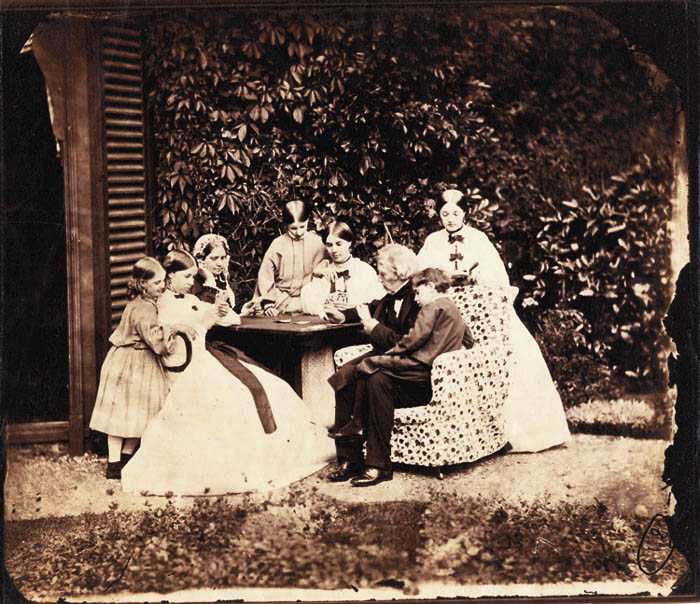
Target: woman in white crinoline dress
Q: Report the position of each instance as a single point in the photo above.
(209, 438)
(534, 414)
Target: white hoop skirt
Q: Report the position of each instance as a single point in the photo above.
(208, 438)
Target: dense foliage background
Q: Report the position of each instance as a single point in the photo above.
(545, 116)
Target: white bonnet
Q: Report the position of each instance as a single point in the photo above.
(206, 243)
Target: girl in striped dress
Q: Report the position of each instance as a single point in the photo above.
(133, 382)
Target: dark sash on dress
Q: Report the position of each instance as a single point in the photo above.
(231, 358)
(188, 355)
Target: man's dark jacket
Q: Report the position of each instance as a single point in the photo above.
(385, 334)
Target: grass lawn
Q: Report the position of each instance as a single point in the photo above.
(308, 539)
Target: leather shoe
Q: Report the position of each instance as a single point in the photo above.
(114, 470)
(371, 476)
(349, 431)
(346, 470)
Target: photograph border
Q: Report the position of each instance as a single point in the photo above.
(687, 406)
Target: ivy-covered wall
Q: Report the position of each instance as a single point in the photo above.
(545, 116)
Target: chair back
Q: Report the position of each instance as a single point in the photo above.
(485, 310)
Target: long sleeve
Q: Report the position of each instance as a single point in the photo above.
(364, 285)
(156, 336)
(313, 295)
(432, 254)
(490, 269)
(351, 315)
(419, 334)
(231, 317)
(286, 267)
(231, 296)
(268, 274)
(468, 338)
(383, 337)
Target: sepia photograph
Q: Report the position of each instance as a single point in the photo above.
(349, 301)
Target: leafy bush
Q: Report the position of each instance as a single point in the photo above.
(579, 372)
(544, 115)
(320, 542)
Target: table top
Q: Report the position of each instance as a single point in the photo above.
(291, 325)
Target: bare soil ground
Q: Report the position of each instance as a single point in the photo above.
(623, 473)
(574, 513)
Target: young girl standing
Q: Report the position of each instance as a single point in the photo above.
(226, 426)
(133, 383)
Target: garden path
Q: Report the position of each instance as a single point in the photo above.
(622, 473)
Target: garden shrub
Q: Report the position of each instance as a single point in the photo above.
(544, 116)
(332, 545)
(624, 417)
(576, 368)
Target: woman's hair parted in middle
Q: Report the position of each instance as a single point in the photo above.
(436, 277)
(402, 260)
(208, 243)
(341, 230)
(454, 196)
(178, 260)
(295, 211)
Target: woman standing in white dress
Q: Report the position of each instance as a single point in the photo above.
(209, 436)
(534, 413)
(342, 281)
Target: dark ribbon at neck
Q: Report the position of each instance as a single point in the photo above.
(344, 274)
(220, 281)
(453, 238)
(179, 296)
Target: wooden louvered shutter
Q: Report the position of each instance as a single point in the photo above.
(128, 230)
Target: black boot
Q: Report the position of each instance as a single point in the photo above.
(114, 470)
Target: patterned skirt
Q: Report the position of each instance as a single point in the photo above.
(133, 387)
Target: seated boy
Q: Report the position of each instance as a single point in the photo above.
(439, 328)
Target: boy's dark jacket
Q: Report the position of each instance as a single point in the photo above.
(439, 328)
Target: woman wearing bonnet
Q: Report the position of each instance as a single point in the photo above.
(227, 425)
(212, 254)
(535, 418)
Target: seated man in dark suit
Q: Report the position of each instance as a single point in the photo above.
(385, 321)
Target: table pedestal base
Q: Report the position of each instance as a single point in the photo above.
(316, 367)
